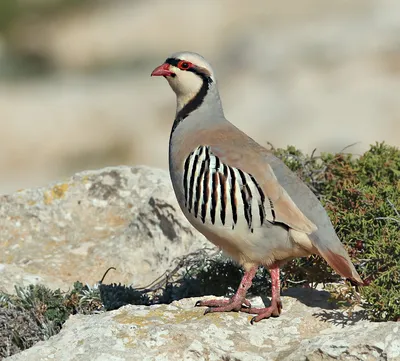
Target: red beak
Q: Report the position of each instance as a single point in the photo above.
(162, 70)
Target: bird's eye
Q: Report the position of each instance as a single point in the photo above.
(183, 65)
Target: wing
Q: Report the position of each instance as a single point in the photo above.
(253, 162)
(218, 190)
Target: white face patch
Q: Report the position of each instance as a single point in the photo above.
(185, 85)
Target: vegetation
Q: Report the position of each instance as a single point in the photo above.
(361, 196)
(35, 313)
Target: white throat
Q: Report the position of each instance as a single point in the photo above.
(183, 99)
(186, 86)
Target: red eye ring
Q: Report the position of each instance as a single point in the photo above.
(184, 65)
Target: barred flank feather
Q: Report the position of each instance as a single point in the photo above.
(220, 194)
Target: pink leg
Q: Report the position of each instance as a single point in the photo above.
(237, 301)
(276, 304)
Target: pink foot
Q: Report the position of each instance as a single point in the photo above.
(237, 303)
(276, 304)
(262, 313)
(224, 305)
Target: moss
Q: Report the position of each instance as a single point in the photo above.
(57, 192)
(160, 313)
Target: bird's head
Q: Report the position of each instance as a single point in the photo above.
(186, 73)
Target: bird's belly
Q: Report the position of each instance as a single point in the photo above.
(265, 245)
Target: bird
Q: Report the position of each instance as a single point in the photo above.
(237, 193)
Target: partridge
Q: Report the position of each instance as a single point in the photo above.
(237, 193)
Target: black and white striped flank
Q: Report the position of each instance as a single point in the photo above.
(224, 195)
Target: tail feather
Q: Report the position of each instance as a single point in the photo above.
(342, 266)
(337, 257)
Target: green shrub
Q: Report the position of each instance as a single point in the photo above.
(35, 313)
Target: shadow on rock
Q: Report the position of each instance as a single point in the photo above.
(340, 318)
(114, 296)
(312, 297)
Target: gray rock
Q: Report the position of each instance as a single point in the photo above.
(180, 332)
(74, 230)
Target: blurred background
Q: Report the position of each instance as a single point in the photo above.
(76, 92)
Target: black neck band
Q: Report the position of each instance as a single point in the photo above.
(197, 100)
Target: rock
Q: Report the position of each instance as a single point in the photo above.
(120, 217)
(180, 332)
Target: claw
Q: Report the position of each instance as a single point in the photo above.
(262, 313)
(247, 303)
(208, 310)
